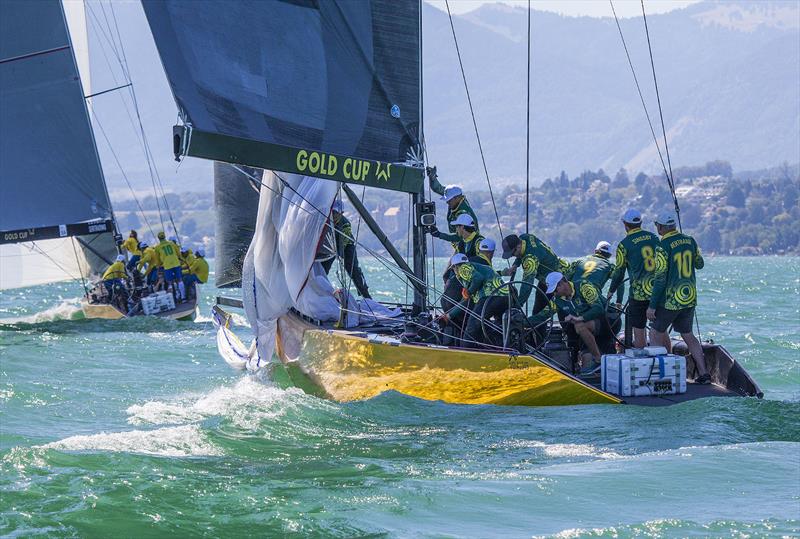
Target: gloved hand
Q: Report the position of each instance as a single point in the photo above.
(464, 293)
(434, 231)
(443, 319)
(431, 172)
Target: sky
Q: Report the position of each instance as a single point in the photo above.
(591, 8)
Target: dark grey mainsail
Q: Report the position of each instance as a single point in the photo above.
(235, 207)
(50, 173)
(326, 89)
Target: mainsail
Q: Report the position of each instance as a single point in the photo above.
(307, 90)
(53, 185)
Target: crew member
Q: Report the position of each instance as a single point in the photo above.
(346, 250)
(482, 286)
(168, 252)
(537, 260)
(186, 257)
(115, 274)
(485, 252)
(468, 238)
(151, 260)
(457, 205)
(675, 290)
(636, 254)
(198, 273)
(131, 244)
(580, 304)
(595, 268)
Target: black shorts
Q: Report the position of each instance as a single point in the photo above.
(680, 320)
(637, 313)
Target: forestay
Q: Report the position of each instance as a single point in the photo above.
(325, 89)
(50, 174)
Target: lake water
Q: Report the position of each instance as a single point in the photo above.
(137, 428)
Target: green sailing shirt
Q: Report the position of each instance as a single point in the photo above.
(344, 234)
(636, 254)
(537, 260)
(594, 269)
(480, 281)
(463, 207)
(586, 301)
(675, 281)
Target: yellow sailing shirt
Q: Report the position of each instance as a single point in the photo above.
(199, 267)
(115, 271)
(149, 257)
(132, 246)
(168, 254)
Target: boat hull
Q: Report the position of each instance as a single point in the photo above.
(347, 366)
(183, 311)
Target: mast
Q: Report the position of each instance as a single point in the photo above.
(418, 241)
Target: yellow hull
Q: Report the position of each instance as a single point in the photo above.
(348, 366)
(186, 311)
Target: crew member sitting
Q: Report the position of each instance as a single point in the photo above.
(346, 250)
(168, 250)
(115, 274)
(149, 259)
(675, 290)
(131, 244)
(580, 305)
(537, 260)
(457, 204)
(198, 273)
(482, 286)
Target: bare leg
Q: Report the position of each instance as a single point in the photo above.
(639, 338)
(696, 349)
(584, 330)
(660, 338)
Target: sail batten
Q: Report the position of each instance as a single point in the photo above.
(323, 89)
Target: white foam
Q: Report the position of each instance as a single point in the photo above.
(69, 309)
(246, 404)
(183, 441)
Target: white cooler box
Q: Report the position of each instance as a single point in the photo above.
(158, 303)
(625, 376)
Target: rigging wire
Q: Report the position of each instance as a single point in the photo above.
(639, 90)
(528, 133)
(670, 177)
(474, 122)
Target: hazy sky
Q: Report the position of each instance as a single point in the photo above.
(592, 8)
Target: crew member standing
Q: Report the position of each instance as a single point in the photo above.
(151, 260)
(457, 204)
(131, 244)
(346, 249)
(115, 274)
(636, 254)
(675, 290)
(168, 252)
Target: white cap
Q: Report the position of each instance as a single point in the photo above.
(552, 280)
(666, 218)
(337, 206)
(603, 247)
(143, 244)
(200, 252)
(450, 192)
(632, 216)
(487, 245)
(463, 219)
(459, 258)
(120, 258)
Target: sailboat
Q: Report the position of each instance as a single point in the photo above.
(324, 96)
(56, 217)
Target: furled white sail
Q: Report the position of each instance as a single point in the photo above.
(276, 271)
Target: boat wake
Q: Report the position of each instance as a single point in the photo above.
(68, 309)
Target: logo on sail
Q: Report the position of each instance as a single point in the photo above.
(395, 111)
(383, 173)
